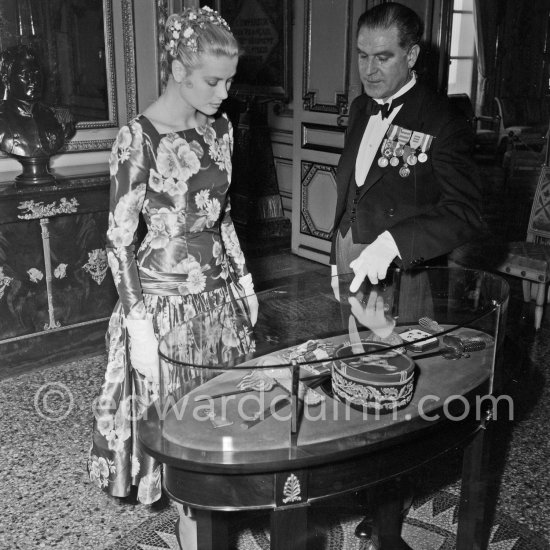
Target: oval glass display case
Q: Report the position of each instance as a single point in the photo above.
(324, 384)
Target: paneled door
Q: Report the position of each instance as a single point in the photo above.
(325, 83)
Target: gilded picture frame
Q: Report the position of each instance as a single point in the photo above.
(264, 31)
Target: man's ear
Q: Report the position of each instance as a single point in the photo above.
(412, 56)
(178, 70)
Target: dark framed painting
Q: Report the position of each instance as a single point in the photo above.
(264, 31)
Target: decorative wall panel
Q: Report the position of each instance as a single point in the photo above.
(326, 90)
(318, 200)
(323, 137)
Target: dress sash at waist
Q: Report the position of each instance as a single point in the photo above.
(179, 284)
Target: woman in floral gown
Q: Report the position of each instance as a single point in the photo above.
(172, 165)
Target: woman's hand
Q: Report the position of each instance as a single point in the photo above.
(253, 307)
(143, 346)
(248, 287)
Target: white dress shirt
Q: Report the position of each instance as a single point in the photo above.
(372, 138)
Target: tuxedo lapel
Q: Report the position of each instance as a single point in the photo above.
(374, 174)
(409, 115)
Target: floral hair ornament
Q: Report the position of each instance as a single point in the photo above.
(184, 27)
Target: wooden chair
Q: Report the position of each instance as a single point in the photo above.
(528, 259)
(522, 158)
(523, 120)
(486, 127)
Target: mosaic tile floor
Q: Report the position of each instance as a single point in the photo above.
(431, 524)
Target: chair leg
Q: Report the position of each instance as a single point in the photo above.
(526, 290)
(539, 304)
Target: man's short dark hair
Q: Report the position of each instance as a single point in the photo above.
(391, 14)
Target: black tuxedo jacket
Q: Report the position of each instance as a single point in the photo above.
(434, 209)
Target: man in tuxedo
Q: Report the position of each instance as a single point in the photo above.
(407, 187)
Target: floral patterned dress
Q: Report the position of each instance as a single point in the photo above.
(189, 262)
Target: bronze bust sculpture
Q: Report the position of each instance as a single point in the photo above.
(29, 129)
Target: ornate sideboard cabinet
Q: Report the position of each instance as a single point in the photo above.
(56, 291)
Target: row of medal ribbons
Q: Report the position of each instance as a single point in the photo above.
(405, 144)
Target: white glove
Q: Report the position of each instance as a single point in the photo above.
(144, 348)
(374, 261)
(248, 286)
(334, 282)
(373, 315)
(253, 306)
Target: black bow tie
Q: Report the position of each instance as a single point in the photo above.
(373, 108)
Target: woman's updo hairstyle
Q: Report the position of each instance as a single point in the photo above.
(193, 32)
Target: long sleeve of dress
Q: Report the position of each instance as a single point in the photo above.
(228, 233)
(129, 170)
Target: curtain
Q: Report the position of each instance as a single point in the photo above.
(485, 21)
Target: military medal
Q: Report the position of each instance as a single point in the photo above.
(408, 153)
(387, 150)
(403, 138)
(391, 141)
(425, 145)
(416, 140)
(404, 171)
(403, 143)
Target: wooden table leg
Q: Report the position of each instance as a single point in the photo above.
(388, 516)
(212, 530)
(289, 528)
(472, 529)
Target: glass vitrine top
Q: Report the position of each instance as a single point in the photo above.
(324, 370)
(306, 321)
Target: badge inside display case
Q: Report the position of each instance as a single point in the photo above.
(242, 403)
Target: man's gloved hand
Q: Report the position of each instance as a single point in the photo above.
(334, 282)
(374, 261)
(248, 286)
(143, 348)
(373, 314)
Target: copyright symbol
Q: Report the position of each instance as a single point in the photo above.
(53, 401)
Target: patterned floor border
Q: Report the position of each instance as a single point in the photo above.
(431, 524)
